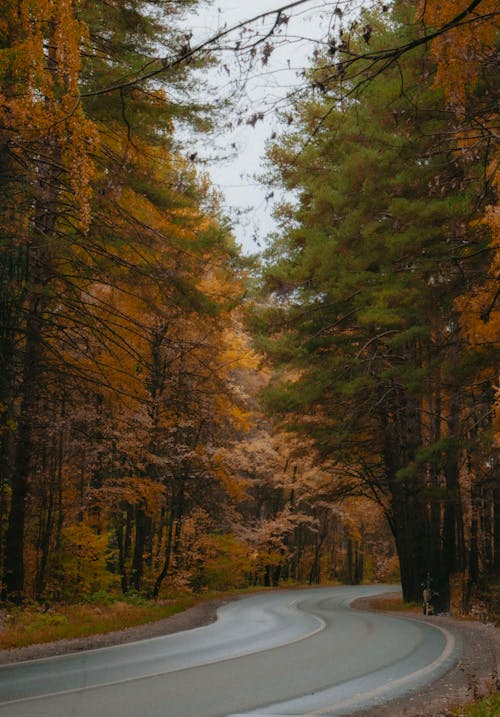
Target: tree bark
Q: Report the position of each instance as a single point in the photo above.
(402, 437)
(139, 545)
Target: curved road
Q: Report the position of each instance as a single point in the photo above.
(300, 652)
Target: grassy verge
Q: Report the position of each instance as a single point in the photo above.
(394, 604)
(34, 625)
(487, 707)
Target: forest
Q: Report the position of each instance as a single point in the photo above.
(175, 415)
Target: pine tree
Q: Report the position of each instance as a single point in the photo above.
(363, 282)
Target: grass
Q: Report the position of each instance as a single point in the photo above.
(34, 625)
(487, 707)
(392, 603)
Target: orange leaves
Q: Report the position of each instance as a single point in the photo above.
(82, 140)
(39, 96)
(461, 50)
(132, 350)
(465, 59)
(84, 555)
(234, 486)
(135, 490)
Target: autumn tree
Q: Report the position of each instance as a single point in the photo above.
(465, 58)
(102, 219)
(47, 170)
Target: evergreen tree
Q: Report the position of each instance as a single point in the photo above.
(363, 282)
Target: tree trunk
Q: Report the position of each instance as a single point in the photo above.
(496, 530)
(315, 571)
(13, 582)
(168, 554)
(120, 530)
(453, 547)
(139, 545)
(409, 519)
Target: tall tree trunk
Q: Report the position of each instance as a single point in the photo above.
(402, 437)
(139, 545)
(13, 276)
(315, 571)
(48, 517)
(13, 582)
(120, 528)
(496, 530)
(40, 275)
(453, 548)
(168, 552)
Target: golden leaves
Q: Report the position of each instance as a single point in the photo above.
(40, 108)
(462, 54)
(460, 50)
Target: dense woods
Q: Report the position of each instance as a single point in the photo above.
(176, 416)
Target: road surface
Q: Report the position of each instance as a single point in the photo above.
(299, 652)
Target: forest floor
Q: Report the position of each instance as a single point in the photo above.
(475, 675)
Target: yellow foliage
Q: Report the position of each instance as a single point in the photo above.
(40, 101)
(227, 562)
(238, 352)
(84, 556)
(135, 490)
(460, 50)
(235, 487)
(461, 54)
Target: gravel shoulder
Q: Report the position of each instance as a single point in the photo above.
(475, 675)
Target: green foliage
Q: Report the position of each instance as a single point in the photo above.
(367, 265)
(134, 597)
(227, 562)
(84, 559)
(437, 451)
(487, 707)
(100, 597)
(366, 275)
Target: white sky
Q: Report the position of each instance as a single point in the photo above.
(235, 177)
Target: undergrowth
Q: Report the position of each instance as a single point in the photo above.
(395, 604)
(487, 707)
(35, 624)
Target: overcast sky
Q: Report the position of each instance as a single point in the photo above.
(235, 177)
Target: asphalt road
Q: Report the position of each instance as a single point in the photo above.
(301, 652)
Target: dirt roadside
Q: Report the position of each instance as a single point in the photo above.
(476, 674)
